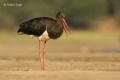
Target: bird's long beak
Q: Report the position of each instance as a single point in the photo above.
(65, 26)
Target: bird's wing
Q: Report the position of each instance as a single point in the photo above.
(32, 27)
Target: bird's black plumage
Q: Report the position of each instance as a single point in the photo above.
(44, 28)
(37, 26)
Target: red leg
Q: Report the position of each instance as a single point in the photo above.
(42, 55)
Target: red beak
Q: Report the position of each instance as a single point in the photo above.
(65, 26)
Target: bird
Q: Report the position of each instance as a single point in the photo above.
(44, 29)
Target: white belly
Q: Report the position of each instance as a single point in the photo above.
(44, 36)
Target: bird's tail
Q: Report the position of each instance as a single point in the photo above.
(19, 32)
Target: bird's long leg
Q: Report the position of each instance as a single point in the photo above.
(44, 43)
(42, 54)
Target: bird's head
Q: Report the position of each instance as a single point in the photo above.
(61, 21)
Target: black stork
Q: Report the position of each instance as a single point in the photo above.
(44, 28)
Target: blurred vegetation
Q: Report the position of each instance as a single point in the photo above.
(78, 12)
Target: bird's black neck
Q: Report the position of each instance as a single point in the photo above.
(59, 22)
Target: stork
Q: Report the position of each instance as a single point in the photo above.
(44, 28)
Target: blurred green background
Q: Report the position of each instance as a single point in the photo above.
(79, 13)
